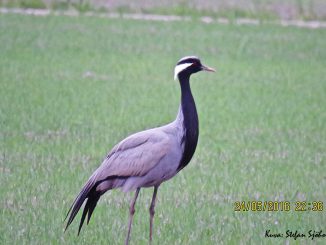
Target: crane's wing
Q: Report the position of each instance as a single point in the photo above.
(135, 155)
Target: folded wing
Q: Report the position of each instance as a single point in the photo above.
(134, 156)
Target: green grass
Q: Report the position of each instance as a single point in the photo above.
(71, 88)
(257, 9)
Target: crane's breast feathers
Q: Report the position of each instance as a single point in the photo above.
(135, 155)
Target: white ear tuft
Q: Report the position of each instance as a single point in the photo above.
(180, 68)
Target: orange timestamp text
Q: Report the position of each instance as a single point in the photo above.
(276, 206)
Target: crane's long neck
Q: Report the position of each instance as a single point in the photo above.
(188, 117)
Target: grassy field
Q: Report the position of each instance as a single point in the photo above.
(258, 9)
(71, 88)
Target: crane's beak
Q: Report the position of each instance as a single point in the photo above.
(206, 68)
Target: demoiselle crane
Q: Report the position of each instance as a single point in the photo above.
(147, 158)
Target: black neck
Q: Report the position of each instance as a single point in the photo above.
(190, 121)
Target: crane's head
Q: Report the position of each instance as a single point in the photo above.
(189, 65)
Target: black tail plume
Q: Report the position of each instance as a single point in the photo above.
(89, 208)
(82, 196)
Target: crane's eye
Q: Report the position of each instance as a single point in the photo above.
(195, 63)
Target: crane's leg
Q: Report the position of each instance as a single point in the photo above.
(152, 212)
(131, 214)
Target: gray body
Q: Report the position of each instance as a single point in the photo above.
(146, 158)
